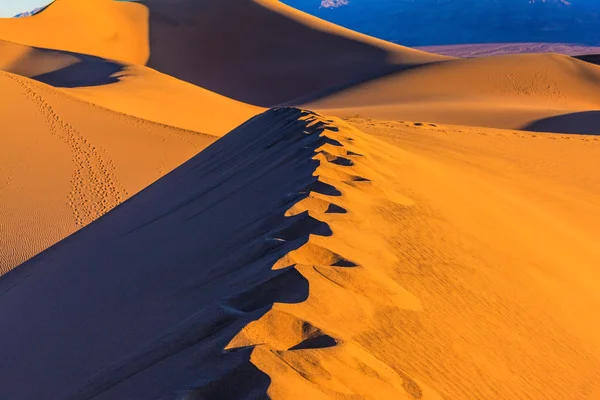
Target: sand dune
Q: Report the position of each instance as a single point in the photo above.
(269, 54)
(303, 258)
(511, 91)
(66, 162)
(266, 52)
(298, 256)
(103, 28)
(248, 62)
(127, 88)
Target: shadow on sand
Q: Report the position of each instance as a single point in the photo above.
(86, 71)
(582, 123)
(142, 303)
(590, 58)
(241, 58)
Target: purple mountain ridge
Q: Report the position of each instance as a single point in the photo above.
(445, 22)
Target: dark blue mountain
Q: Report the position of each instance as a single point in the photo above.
(436, 22)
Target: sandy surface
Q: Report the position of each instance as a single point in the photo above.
(66, 162)
(104, 28)
(428, 254)
(508, 91)
(127, 88)
(399, 261)
(247, 62)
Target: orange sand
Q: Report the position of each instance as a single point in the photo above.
(298, 256)
(66, 162)
(509, 91)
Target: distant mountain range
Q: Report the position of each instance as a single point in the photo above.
(438, 22)
(30, 13)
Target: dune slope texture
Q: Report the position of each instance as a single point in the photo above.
(66, 162)
(302, 258)
(243, 49)
(127, 88)
(163, 284)
(508, 91)
(104, 28)
(239, 55)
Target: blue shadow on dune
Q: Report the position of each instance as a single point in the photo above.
(87, 71)
(581, 123)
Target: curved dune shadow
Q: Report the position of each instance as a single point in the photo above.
(581, 123)
(590, 58)
(87, 71)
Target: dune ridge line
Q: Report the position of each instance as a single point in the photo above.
(287, 337)
(276, 332)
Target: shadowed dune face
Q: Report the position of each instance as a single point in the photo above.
(88, 71)
(584, 123)
(263, 52)
(66, 162)
(58, 68)
(298, 257)
(130, 89)
(306, 61)
(228, 47)
(248, 229)
(591, 58)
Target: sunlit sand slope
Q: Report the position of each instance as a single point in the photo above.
(105, 28)
(512, 91)
(266, 225)
(127, 88)
(64, 163)
(299, 257)
(243, 49)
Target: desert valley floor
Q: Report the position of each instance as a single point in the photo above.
(235, 200)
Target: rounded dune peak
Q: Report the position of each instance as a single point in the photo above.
(103, 28)
(248, 50)
(243, 49)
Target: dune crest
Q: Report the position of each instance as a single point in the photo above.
(312, 240)
(305, 342)
(297, 256)
(508, 91)
(114, 30)
(301, 257)
(130, 89)
(317, 54)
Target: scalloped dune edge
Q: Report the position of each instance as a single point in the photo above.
(327, 239)
(309, 341)
(256, 278)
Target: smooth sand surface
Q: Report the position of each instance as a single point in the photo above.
(127, 88)
(66, 162)
(301, 257)
(269, 54)
(104, 28)
(298, 256)
(508, 91)
(243, 49)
